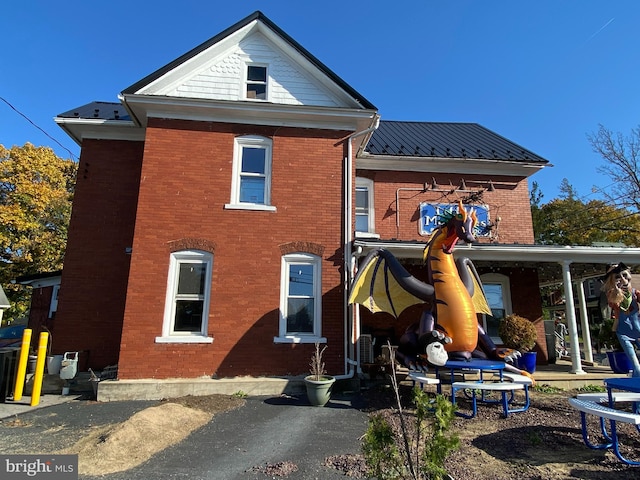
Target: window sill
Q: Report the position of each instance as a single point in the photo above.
(292, 339)
(367, 235)
(249, 206)
(184, 339)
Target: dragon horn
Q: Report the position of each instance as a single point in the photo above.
(461, 210)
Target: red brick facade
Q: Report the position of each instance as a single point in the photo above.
(509, 202)
(185, 178)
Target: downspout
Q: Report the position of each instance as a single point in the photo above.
(350, 362)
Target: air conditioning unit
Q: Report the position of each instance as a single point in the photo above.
(366, 349)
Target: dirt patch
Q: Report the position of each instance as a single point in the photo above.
(116, 448)
(544, 442)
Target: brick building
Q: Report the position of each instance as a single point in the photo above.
(221, 205)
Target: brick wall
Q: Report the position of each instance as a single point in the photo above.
(94, 281)
(186, 181)
(509, 202)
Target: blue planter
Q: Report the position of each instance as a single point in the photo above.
(619, 362)
(527, 362)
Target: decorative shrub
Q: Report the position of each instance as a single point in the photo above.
(518, 333)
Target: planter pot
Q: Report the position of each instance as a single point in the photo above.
(619, 362)
(31, 364)
(53, 364)
(527, 362)
(319, 391)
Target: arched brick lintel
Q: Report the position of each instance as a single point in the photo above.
(307, 247)
(192, 244)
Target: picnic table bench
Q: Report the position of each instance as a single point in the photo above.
(506, 389)
(604, 412)
(423, 379)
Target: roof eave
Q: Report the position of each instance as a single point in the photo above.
(80, 129)
(515, 253)
(466, 165)
(143, 107)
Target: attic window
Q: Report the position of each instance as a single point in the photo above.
(256, 82)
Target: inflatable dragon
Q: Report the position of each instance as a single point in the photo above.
(453, 296)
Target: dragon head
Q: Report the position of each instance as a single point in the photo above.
(459, 225)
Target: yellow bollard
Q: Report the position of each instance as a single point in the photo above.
(37, 378)
(22, 365)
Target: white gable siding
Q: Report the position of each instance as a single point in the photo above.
(223, 77)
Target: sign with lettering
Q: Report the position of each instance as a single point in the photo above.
(45, 466)
(430, 217)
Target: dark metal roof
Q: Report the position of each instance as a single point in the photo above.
(38, 276)
(99, 111)
(242, 23)
(446, 140)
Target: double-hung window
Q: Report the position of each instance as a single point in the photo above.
(187, 302)
(251, 186)
(498, 292)
(300, 299)
(256, 82)
(365, 221)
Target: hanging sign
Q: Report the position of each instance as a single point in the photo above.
(430, 217)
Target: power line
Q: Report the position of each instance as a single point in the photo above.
(32, 123)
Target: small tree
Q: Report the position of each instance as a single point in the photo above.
(418, 450)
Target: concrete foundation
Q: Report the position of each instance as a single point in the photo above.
(556, 375)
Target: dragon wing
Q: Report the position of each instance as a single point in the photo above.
(384, 285)
(469, 276)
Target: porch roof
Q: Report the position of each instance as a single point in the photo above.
(584, 262)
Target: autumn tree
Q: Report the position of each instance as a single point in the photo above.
(570, 221)
(36, 191)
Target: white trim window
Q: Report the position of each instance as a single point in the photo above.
(251, 183)
(186, 310)
(256, 86)
(365, 219)
(498, 292)
(300, 299)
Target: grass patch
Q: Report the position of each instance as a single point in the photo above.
(591, 389)
(545, 388)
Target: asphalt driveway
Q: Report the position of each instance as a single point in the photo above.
(266, 430)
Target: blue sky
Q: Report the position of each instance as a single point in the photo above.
(541, 73)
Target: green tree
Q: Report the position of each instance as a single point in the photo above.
(570, 221)
(36, 191)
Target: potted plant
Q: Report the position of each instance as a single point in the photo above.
(520, 334)
(618, 360)
(318, 384)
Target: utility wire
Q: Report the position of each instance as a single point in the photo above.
(32, 123)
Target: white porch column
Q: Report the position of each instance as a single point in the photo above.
(584, 321)
(570, 313)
